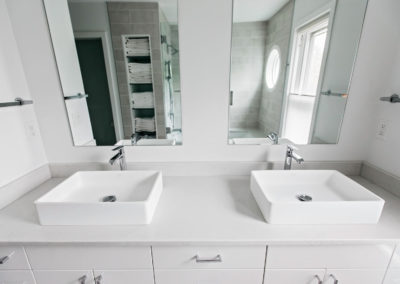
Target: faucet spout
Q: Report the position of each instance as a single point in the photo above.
(291, 155)
(120, 157)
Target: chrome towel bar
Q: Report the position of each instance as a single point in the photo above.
(17, 102)
(392, 99)
(78, 96)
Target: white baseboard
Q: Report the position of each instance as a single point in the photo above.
(17, 188)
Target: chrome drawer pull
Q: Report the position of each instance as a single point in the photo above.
(335, 281)
(4, 259)
(218, 258)
(82, 280)
(318, 278)
(97, 279)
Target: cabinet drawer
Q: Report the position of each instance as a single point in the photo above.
(347, 257)
(201, 257)
(212, 276)
(125, 277)
(87, 257)
(63, 277)
(16, 277)
(13, 257)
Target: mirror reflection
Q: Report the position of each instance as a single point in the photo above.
(119, 70)
(291, 65)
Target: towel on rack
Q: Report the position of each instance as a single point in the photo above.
(137, 47)
(145, 124)
(140, 73)
(143, 100)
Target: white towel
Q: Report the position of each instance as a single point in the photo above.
(140, 73)
(145, 124)
(137, 47)
(143, 100)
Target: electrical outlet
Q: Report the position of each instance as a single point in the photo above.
(30, 128)
(382, 129)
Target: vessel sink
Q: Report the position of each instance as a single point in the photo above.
(314, 197)
(102, 198)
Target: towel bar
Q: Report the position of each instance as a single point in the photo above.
(17, 102)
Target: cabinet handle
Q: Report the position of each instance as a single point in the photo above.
(318, 278)
(98, 279)
(335, 280)
(83, 279)
(218, 258)
(4, 259)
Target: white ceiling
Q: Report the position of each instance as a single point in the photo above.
(169, 7)
(256, 10)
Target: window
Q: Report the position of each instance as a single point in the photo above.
(273, 68)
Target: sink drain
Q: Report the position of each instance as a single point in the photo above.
(109, 198)
(304, 197)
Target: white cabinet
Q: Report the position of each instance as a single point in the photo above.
(13, 257)
(351, 276)
(63, 276)
(210, 276)
(16, 277)
(124, 277)
(209, 264)
(364, 264)
(291, 276)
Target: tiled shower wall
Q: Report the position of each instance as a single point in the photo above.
(247, 70)
(137, 18)
(278, 34)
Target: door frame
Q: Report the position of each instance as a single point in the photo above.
(112, 81)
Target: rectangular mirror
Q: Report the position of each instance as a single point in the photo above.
(291, 66)
(118, 64)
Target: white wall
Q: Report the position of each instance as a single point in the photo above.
(21, 148)
(385, 153)
(205, 64)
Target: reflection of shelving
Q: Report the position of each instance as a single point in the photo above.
(138, 63)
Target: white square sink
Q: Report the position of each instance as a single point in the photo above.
(314, 197)
(102, 198)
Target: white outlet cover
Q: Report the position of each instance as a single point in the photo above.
(382, 130)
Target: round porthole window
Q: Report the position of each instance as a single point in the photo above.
(273, 67)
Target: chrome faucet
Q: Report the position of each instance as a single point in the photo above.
(135, 138)
(120, 157)
(290, 155)
(273, 137)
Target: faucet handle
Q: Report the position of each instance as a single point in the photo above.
(292, 147)
(121, 147)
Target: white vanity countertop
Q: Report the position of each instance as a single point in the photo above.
(198, 210)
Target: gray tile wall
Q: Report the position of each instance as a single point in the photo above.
(248, 56)
(127, 18)
(278, 34)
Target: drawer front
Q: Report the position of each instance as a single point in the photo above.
(212, 276)
(64, 277)
(201, 257)
(291, 276)
(87, 257)
(125, 277)
(16, 277)
(346, 257)
(13, 257)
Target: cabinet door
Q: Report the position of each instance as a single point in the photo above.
(124, 277)
(291, 276)
(16, 277)
(351, 276)
(216, 276)
(64, 276)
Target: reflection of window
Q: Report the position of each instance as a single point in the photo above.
(273, 67)
(308, 55)
(310, 45)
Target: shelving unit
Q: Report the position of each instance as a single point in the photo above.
(138, 63)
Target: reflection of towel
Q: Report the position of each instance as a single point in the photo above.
(143, 100)
(145, 124)
(139, 73)
(137, 47)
